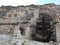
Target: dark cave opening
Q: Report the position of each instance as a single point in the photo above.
(45, 29)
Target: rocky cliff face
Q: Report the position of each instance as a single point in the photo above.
(13, 18)
(51, 9)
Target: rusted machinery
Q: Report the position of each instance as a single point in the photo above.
(45, 29)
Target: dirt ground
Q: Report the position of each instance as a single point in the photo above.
(58, 32)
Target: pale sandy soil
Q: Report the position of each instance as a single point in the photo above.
(58, 32)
